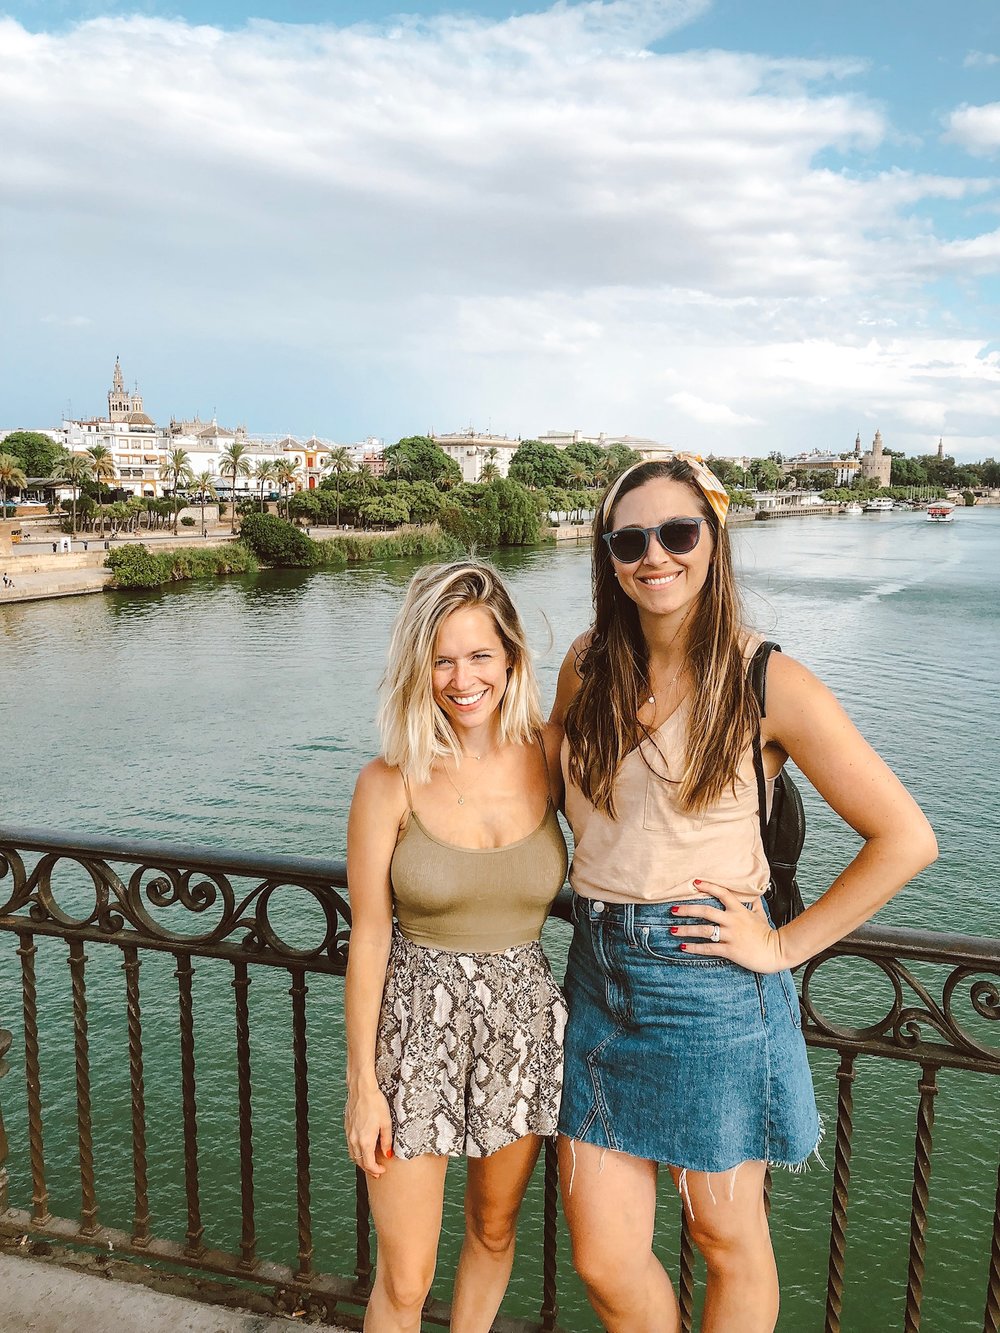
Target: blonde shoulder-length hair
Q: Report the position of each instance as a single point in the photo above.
(415, 732)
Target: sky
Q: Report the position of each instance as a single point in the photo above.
(733, 226)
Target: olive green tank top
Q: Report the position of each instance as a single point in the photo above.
(476, 900)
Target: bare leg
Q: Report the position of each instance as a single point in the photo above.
(406, 1205)
(725, 1213)
(609, 1200)
(493, 1195)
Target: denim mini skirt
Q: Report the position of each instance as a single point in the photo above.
(682, 1059)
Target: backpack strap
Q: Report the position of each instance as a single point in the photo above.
(757, 674)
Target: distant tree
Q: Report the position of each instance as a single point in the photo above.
(384, 511)
(537, 464)
(102, 469)
(75, 469)
(263, 471)
(424, 502)
(519, 516)
(618, 458)
(286, 474)
(728, 472)
(766, 474)
(489, 472)
(176, 468)
(338, 463)
(234, 462)
(907, 472)
(418, 458)
(278, 542)
(12, 477)
(968, 499)
(37, 452)
(582, 451)
(205, 482)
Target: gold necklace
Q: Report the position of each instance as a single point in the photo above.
(478, 758)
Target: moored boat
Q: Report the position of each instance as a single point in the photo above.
(879, 504)
(853, 508)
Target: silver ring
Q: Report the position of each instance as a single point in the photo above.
(716, 934)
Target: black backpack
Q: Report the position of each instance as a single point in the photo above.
(784, 832)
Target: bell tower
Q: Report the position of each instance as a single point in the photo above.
(119, 401)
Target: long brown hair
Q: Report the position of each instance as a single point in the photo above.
(601, 722)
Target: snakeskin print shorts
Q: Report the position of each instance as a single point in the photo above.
(469, 1053)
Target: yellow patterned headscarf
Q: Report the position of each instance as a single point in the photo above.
(708, 483)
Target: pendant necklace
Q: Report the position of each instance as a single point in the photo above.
(478, 758)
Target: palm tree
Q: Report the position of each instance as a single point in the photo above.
(264, 470)
(11, 475)
(286, 474)
(76, 469)
(103, 469)
(338, 462)
(233, 462)
(205, 481)
(176, 468)
(489, 472)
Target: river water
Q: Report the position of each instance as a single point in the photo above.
(236, 714)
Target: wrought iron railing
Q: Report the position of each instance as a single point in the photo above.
(231, 912)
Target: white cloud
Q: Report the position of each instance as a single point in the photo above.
(980, 60)
(68, 321)
(976, 128)
(710, 414)
(540, 217)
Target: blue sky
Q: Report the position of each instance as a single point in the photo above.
(733, 226)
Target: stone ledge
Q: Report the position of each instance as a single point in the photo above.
(41, 1295)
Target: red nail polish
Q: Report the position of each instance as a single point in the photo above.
(683, 946)
(674, 930)
(696, 882)
(674, 910)
(388, 1154)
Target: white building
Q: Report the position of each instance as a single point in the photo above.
(137, 445)
(472, 450)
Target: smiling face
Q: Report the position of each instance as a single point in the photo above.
(470, 669)
(663, 584)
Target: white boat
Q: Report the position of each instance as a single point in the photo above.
(940, 511)
(853, 508)
(881, 504)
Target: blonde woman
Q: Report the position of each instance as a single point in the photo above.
(684, 1045)
(454, 1024)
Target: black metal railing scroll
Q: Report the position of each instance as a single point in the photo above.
(217, 914)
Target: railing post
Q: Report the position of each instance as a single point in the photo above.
(841, 1193)
(550, 1229)
(5, 1040)
(991, 1319)
(32, 1071)
(921, 1194)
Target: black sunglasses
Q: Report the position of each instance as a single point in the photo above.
(679, 536)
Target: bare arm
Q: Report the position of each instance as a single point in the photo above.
(806, 722)
(569, 679)
(372, 828)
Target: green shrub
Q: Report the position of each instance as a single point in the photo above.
(187, 521)
(278, 542)
(133, 566)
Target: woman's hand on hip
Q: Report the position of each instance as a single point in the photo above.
(368, 1130)
(738, 931)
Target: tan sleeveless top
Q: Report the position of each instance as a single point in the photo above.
(655, 850)
(476, 900)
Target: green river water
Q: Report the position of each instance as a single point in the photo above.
(236, 713)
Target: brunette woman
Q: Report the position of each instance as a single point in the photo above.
(454, 1024)
(684, 1046)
